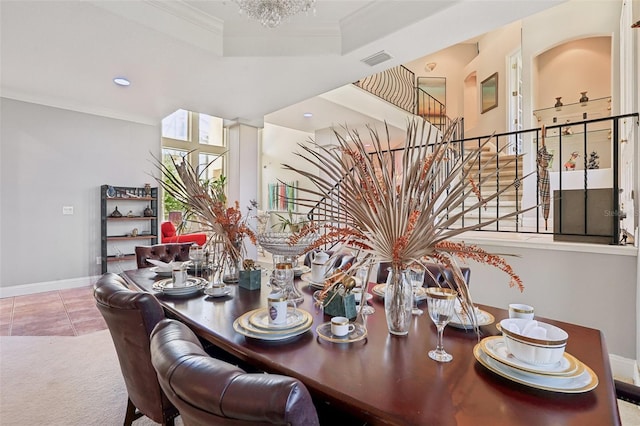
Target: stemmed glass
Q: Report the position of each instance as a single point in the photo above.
(440, 302)
(363, 276)
(196, 254)
(416, 275)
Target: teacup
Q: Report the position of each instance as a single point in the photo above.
(277, 306)
(218, 289)
(317, 272)
(518, 310)
(340, 326)
(179, 278)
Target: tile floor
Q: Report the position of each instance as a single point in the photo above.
(70, 312)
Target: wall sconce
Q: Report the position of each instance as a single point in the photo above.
(430, 66)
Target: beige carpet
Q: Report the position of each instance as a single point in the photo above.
(63, 381)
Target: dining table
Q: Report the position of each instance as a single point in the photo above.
(390, 380)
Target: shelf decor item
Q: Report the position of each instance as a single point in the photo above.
(115, 213)
(396, 205)
(584, 99)
(558, 102)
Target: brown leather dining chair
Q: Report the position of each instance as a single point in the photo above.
(208, 391)
(131, 316)
(164, 252)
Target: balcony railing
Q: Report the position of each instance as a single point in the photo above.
(397, 86)
(581, 200)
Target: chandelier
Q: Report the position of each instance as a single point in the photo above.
(271, 12)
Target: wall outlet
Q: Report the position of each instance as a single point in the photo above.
(98, 260)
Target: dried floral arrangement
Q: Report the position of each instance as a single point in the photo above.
(400, 213)
(207, 204)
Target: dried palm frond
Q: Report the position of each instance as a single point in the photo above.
(207, 205)
(399, 212)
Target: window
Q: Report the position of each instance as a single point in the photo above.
(199, 136)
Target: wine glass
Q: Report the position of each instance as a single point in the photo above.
(363, 277)
(416, 275)
(440, 302)
(196, 255)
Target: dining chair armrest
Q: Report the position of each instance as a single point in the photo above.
(627, 392)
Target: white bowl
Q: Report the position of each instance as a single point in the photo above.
(533, 350)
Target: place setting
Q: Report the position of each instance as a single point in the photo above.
(341, 330)
(276, 322)
(532, 353)
(461, 319)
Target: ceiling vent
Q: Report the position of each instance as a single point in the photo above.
(377, 58)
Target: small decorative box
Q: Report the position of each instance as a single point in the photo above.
(251, 280)
(337, 304)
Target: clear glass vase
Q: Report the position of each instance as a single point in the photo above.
(398, 301)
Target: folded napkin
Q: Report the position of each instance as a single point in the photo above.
(529, 329)
(163, 266)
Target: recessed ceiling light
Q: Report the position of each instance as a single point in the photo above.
(307, 115)
(121, 81)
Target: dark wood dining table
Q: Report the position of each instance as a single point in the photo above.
(387, 379)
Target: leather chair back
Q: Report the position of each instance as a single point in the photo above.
(434, 274)
(163, 252)
(131, 316)
(208, 391)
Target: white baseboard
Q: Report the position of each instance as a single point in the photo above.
(624, 368)
(24, 289)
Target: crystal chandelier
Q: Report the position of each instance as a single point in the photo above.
(271, 12)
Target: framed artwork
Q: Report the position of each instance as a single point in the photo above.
(489, 92)
(282, 196)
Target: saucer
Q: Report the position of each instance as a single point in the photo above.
(324, 332)
(306, 277)
(217, 292)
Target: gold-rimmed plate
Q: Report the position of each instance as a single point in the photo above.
(582, 383)
(243, 326)
(419, 293)
(460, 320)
(306, 277)
(192, 285)
(295, 317)
(495, 347)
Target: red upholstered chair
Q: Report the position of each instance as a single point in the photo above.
(169, 235)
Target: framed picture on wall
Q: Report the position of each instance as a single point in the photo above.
(489, 92)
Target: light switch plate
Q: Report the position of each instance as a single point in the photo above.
(67, 210)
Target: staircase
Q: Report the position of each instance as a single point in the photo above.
(502, 171)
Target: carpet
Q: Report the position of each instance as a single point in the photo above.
(73, 380)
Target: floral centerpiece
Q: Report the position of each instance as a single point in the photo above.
(206, 205)
(399, 212)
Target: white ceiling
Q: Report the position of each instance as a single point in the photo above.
(204, 56)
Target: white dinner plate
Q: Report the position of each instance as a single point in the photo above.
(581, 383)
(306, 277)
(161, 272)
(420, 293)
(495, 347)
(243, 326)
(224, 291)
(460, 320)
(193, 285)
(298, 271)
(295, 317)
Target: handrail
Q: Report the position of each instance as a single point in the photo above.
(394, 85)
(534, 139)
